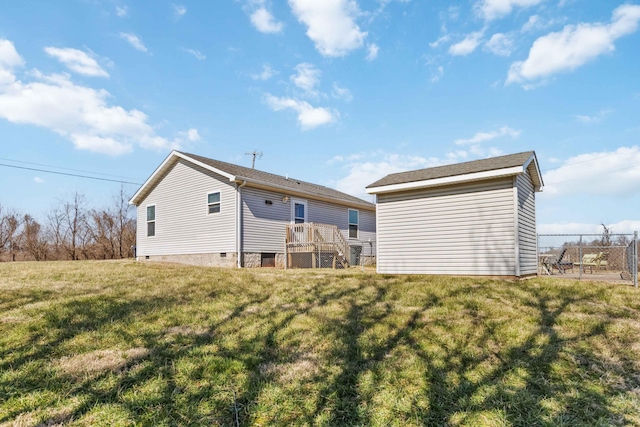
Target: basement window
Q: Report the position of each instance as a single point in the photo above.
(267, 259)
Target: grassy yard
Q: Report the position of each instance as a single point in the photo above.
(125, 343)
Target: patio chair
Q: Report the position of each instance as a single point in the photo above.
(558, 263)
(590, 261)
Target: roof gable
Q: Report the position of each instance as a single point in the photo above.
(252, 177)
(512, 164)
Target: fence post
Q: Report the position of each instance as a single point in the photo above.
(580, 259)
(286, 258)
(538, 264)
(635, 259)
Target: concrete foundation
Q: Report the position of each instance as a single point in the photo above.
(254, 260)
(229, 259)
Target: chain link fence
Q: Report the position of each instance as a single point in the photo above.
(361, 254)
(608, 257)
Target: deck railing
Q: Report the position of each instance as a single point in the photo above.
(316, 238)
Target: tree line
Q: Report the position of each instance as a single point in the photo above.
(70, 231)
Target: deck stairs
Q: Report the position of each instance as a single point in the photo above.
(324, 245)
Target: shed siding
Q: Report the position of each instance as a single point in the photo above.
(183, 225)
(264, 225)
(527, 225)
(466, 229)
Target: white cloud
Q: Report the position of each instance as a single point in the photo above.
(606, 173)
(574, 46)
(494, 9)
(330, 24)
(500, 44)
(362, 173)
(179, 10)
(466, 46)
(266, 73)
(620, 227)
(597, 118)
(191, 135)
(442, 39)
(79, 113)
(122, 11)
(9, 57)
(341, 93)
(134, 41)
(488, 136)
(77, 60)
(309, 117)
(38, 180)
(307, 77)
(372, 52)
(438, 74)
(197, 54)
(264, 21)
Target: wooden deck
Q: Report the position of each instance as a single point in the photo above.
(314, 245)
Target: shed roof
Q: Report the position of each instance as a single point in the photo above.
(253, 178)
(512, 164)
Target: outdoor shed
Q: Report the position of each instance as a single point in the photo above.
(475, 218)
(203, 211)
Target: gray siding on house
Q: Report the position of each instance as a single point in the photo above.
(183, 225)
(466, 229)
(527, 225)
(264, 225)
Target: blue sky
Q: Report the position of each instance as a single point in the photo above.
(337, 92)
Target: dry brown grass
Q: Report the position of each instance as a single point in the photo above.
(100, 361)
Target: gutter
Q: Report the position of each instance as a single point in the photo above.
(239, 221)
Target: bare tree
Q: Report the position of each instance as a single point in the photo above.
(605, 240)
(103, 232)
(33, 241)
(10, 222)
(113, 228)
(68, 228)
(126, 224)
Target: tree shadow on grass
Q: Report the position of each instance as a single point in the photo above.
(476, 375)
(525, 384)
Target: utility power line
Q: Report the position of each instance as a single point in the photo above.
(63, 168)
(71, 174)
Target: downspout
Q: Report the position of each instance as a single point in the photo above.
(239, 221)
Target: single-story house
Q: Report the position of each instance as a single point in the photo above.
(476, 218)
(202, 211)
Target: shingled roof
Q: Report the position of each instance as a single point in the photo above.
(467, 169)
(256, 178)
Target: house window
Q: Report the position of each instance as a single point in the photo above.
(213, 202)
(299, 212)
(353, 224)
(151, 221)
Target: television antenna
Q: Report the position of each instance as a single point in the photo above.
(255, 154)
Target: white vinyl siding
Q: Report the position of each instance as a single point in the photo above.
(182, 223)
(527, 225)
(466, 229)
(264, 224)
